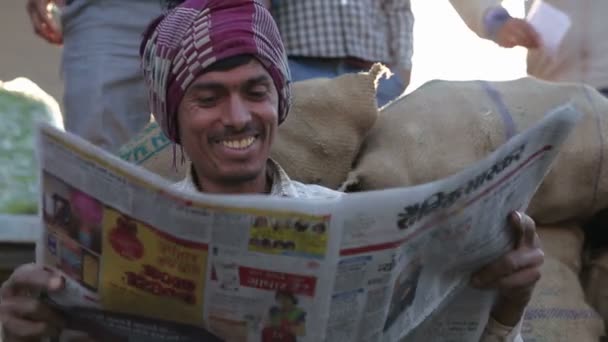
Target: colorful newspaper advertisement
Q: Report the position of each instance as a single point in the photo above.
(144, 261)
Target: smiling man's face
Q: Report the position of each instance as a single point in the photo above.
(227, 124)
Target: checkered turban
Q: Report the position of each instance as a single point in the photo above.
(179, 45)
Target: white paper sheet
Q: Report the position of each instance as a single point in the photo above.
(550, 23)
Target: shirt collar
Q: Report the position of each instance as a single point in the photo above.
(282, 185)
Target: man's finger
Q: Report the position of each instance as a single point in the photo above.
(530, 237)
(52, 35)
(45, 32)
(34, 278)
(41, 28)
(516, 222)
(527, 41)
(35, 18)
(522, 33)
(518, 30)
(42, 12)
(532, 35)
(42, 22)
(506, 43)
(525, 230)
(507, 265)
(521, 279)
(524, 39)
(32, 309)
(49, 33)
(25, 329)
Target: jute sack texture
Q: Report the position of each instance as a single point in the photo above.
(445, 126)
(595, 281)
(558, 310)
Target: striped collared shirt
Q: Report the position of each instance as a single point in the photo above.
(282, 185)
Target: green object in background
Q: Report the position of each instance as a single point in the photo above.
(22, 105)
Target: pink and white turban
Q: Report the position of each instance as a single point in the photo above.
(178, 46)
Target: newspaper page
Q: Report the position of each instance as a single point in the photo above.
(145, 262)
(406, 252)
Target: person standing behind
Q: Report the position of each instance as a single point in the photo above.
(105, 99)
(582, 55)
(327, 38)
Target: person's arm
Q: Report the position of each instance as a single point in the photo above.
(473, 13)
(514, 276)
(489, 20)
(400, 37)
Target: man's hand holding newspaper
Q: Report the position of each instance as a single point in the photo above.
(23, 314)
(515, 274)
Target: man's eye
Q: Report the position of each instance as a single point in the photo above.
(206, 101)
(258, 94)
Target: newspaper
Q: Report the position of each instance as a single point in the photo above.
(145, 262)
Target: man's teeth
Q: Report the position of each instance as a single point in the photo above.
(238, 144)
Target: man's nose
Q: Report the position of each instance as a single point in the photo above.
(238, 114)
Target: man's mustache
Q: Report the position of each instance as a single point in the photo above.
(229, 132)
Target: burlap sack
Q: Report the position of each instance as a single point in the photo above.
(596, 284)
(558, 311)
(595, 268)
(318, 142)
(445, 126)
(563, 243)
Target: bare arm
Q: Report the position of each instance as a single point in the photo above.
(491, 21)
(473, 13)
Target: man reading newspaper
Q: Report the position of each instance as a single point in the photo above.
(219, 87)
